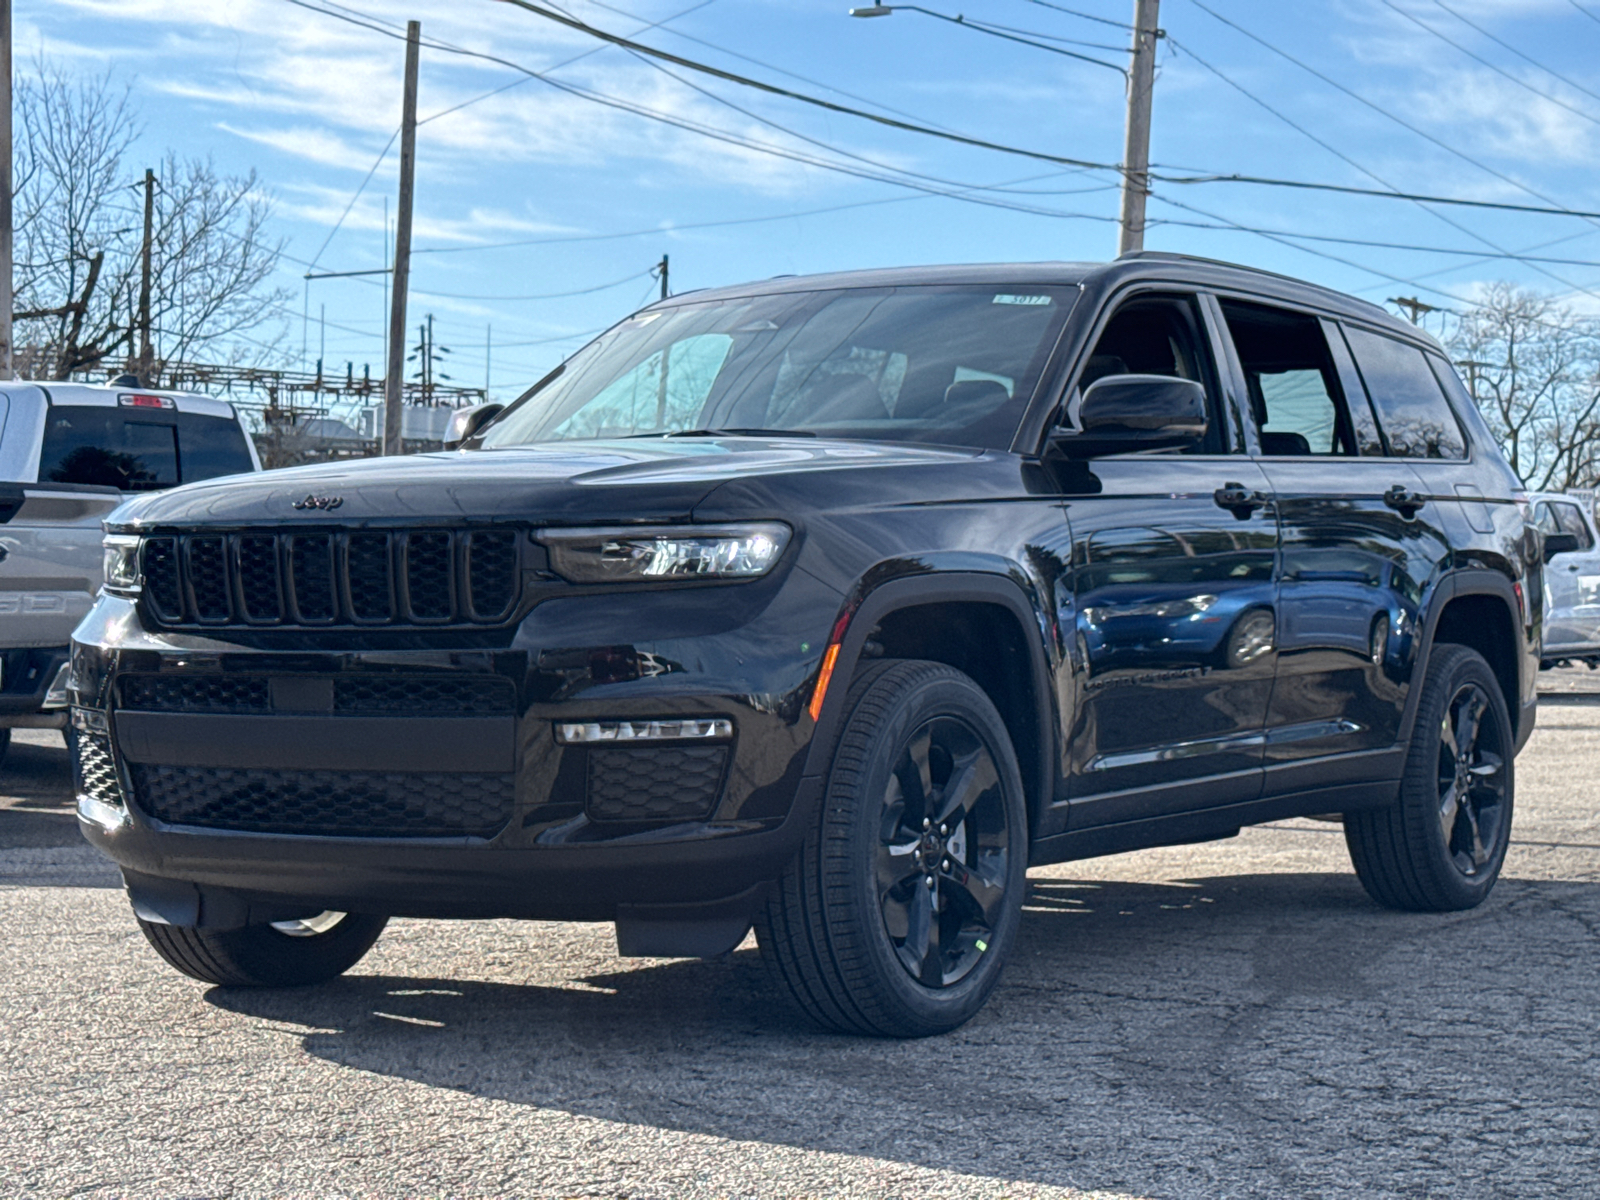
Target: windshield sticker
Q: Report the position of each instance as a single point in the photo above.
(1004, 299)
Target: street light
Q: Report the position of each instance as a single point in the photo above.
(999, 31)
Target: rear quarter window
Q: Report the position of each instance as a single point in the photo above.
(138, 450)
(1416, 419)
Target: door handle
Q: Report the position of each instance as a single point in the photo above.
(1403, 500)
(1238, 499)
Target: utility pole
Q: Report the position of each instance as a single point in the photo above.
(394, 377)
(147, 354)
(7, 368)
(1414, 308)
(1136, 149)
(663, 269)
(1473, 366)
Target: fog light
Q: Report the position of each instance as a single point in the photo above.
(700, 730)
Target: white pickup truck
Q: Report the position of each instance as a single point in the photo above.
(69, 454)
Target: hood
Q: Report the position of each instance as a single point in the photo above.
(659, 479)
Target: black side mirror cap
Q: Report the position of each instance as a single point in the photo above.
(1120, 413)
(1559, 543)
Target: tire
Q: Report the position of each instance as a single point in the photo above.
(5, 744)
(266, 955)
(1430, 852)
(881, 925)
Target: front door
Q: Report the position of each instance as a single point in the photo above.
(1173, 623)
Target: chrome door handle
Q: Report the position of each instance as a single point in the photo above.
(1403, 500)
(1238, 499)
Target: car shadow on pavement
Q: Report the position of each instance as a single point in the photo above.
(1276, 1034)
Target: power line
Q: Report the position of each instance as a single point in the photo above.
(1360, 99)
(1478, 58)
(599, 287)
(1085, 16)
(1508, 46)
(382, 154)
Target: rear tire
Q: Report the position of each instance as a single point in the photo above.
(1440, 848)
(896, 916)
(265, 955)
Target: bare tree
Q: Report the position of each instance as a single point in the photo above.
(79, 229)
(1534, 367)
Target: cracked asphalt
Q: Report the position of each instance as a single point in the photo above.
(1231, 1019)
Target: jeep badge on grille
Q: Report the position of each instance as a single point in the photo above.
(324, 503)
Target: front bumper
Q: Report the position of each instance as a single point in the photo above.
(287, 798)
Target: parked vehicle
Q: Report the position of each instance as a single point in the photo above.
(829, 605)
(71, 453)
(1571, 580)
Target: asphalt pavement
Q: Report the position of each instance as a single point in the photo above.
(1231, 1019)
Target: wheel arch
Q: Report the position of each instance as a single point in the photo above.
(982, 625)
(1477, 609)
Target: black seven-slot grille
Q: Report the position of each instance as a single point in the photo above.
(311, 577)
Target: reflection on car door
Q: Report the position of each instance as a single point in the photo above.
(1173, 596)
(1355, 555)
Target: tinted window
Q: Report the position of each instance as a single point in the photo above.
(1295, 395)
(1412, 410)
(929, 364)
(138, 450)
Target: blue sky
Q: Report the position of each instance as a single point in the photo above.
(534, 193)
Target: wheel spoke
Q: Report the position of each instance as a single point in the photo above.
(1447, 738)
(972, 776)
(922, 939)
(1468, 718)
(984, 893)
(1449, 807)
(1480, 855)
(916, 784)
(896, 862)
(1488, 766)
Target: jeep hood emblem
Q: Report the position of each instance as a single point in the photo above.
(325, 503)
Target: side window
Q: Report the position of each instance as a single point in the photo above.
(1411, 407)
(1295, 396)
(1569, 520)
(1159, 335)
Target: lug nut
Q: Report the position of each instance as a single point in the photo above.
(926, 822)
(931, 882)
(944, 831)
(945, 865)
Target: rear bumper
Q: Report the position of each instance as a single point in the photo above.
(26, 676)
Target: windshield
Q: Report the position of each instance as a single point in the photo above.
(955, 365)
(139, 449)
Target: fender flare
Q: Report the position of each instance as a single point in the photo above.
(1466, 581)
(947, 588)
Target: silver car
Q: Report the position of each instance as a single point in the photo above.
(1571, 578)
(69, 454)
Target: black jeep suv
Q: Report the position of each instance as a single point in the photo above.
(829, 606)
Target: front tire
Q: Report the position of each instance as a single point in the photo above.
(1440, 848)
(284, 954)
(896, 916)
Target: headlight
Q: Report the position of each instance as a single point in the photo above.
(639, 555)
(122, 562)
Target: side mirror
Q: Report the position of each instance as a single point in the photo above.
(1137, 412)
(1559, 543)
(469, 422)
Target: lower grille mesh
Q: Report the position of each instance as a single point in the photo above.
(94, 770)
(326, 803)
(670, 783)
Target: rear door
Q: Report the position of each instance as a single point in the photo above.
(1172, 559)
(1355, 554)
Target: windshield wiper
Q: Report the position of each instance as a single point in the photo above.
(741, 432)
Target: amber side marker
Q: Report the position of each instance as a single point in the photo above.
(829, 658)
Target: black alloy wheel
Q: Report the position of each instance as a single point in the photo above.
(942, 853)
(896, 916)
(1472, 780)
(1440, 846)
